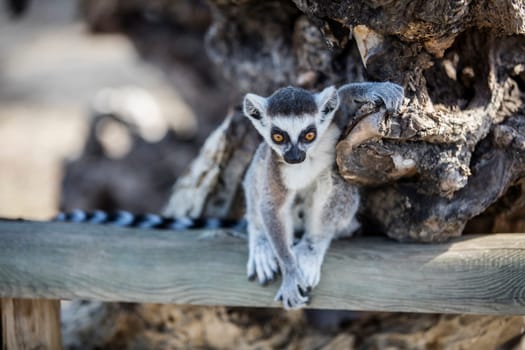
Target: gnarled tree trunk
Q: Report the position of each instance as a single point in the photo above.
(454, 150)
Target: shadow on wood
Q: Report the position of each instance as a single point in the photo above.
(481, 274)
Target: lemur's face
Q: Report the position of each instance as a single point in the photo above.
(292, 120)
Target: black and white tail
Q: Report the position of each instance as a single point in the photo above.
(145, 221)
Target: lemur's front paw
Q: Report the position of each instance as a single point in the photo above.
(310, 263)
(262, 262)
(392, 95)
(294, 291)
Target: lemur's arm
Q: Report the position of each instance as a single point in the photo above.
(353, 95)
(280, 233)
(276, 213)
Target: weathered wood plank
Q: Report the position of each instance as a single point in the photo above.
(31, 324)
(474, 274)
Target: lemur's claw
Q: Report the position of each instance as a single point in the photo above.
(309, 262)
(262, 263)
(266, 281)
(392, 96)
(292, 290)
(304, 292)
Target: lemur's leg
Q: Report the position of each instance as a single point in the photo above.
(332, 214)
(353, 95)
(276, 205)
(262, 262)
(278, 222)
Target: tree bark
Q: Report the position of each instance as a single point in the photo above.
(453, 151)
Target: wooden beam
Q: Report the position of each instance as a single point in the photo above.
(482, 274)
(30, 324)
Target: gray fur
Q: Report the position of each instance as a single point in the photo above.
(275, 190)
(352, 96)
(290, 101)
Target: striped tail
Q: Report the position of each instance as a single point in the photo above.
(147, 221)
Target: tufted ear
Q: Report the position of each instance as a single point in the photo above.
(327, 103)
(254, 106)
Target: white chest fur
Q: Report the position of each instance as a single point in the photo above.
(300, 176)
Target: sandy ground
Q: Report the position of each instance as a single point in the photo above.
(50, 70)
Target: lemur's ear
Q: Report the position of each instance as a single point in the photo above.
(327, 102)
(254, 106)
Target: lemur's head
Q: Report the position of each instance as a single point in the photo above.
(292, 120)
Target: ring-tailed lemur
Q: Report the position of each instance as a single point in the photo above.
(295, 165)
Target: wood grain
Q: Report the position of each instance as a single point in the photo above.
(478, 274)
(31, 324)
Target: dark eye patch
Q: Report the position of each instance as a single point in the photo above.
(310, 128)
(276, 130)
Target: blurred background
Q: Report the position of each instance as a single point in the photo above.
(101, 103)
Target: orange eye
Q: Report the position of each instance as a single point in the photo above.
(277, 138)
(310, 136)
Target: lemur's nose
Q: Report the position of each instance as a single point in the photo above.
(294, 155)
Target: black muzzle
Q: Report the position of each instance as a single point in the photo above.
(294, 155)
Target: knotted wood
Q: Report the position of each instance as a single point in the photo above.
(476, 274)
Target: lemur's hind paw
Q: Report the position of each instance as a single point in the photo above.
(392, 95)
(262, 263)
(294, 291)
